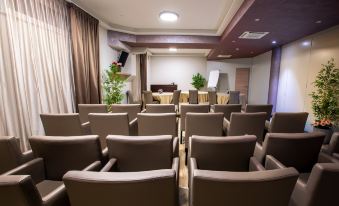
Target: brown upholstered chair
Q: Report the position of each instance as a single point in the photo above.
(160, 108)
(298, 150)
(55, 157)
(193, 97)
(250, 108)
(286, 122)
(104, 124)
(212, 97)
(64, 125)
(85, 109)
(176, 98)
(245, 123)
(185, 108)
(148, 98)
(332, 148)
(234, 97)
(11, 155)
(131, 109)
(227, 109)
(147, 188)
(152, 124)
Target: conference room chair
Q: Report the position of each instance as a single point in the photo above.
(185, 108)
(234, 97)
(142, 153)
(11, 155)
(176, 99)
(131, 109)
(160, 108)
(321, 188)
(153, 124)
(146, 188)
(332, 148)
(104, 124)
(212, 97)
(193, 97)
(287, 122)
(245, 123)
(148, 98)
(251, 108)
(227, 109)
(209, 124)
(64, 125)
(298, 150)
(39, 182)
(85, 109)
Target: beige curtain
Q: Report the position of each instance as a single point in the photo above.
(136, 83)
(85, 53)
(35, 65)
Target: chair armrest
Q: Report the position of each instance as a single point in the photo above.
(192, 165)
(175, 167)
(255, 165)
(325, 158)
(143, 111)
(95, 166)
(226, 125)
(133, 127)
(105, 157)
(57, 197)
(259, 153)
(271, 163)
(86, 128)
(110, 166)
(27, 156)
(335, 155)
(35, 168)
(175, 147)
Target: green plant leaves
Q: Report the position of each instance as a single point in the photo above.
(198, 81)
(113, 85)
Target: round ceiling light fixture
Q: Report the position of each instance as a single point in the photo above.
(274, 42)
(169, 16)
(173, 49)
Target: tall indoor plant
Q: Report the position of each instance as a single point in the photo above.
(325, 99)
(198, 81)
(113, 85)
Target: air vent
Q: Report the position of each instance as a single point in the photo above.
(252, 35)
(224, 56)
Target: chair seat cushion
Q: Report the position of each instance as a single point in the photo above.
(47, 186)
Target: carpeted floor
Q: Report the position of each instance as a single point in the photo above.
(183, 178)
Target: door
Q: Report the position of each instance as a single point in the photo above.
(242, 77)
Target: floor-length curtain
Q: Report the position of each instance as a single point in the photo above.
(85, 52)
(136, 83)
(35, 65)
(143, 72)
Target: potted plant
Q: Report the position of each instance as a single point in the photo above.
(198, 81)
(325, 99)
(113, 85)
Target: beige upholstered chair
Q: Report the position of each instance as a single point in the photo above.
(234, 97)
(64, 125)
(227, 109)
(39, 182)
(250, 108)
(193, 97)
(111, 123)
(85, 109)
(160, 108)
(212, 97)
(148, 98)
(151, 124)
(333, 147)
(246, 123)
(285, 122)
(176, 98)
(11, 155)
(298, 150)
(185, 108)
(147, 188)
(131, 109)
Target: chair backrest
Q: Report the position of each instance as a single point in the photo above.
(131, 109)
(260, 188)
(19, 190)
(227, 109)
(157, 124)
(298, 150)
(148, 98)
(176, 97)
(85, 109)
(247, 123)
(322, 185)
(109, 123)
(193, 96)
(62, 154)
(222, 153)
(10, 154)
(147, 188)
(250, 108)
(141, 153)
(212, 97)
(333, 146)
(185, 108)
(234, 97)
(208, 124)
(61, 124)
(286, 122)
(160, 108)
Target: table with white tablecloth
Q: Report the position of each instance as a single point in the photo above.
(166, 97)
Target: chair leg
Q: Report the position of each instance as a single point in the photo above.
(186, 154)
(180, 137)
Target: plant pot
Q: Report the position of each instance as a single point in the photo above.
(328, 131)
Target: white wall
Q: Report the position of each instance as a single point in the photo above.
(177, 69)
(259, 79)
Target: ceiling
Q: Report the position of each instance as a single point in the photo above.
(200, 17)
(179, 52)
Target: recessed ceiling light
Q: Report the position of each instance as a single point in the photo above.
(256, 19)
(318, 22)
(274, 42)
(168, 16)
(173, 49)
(237, 49)
(233, 41)
(224, 55)
(306, 43)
